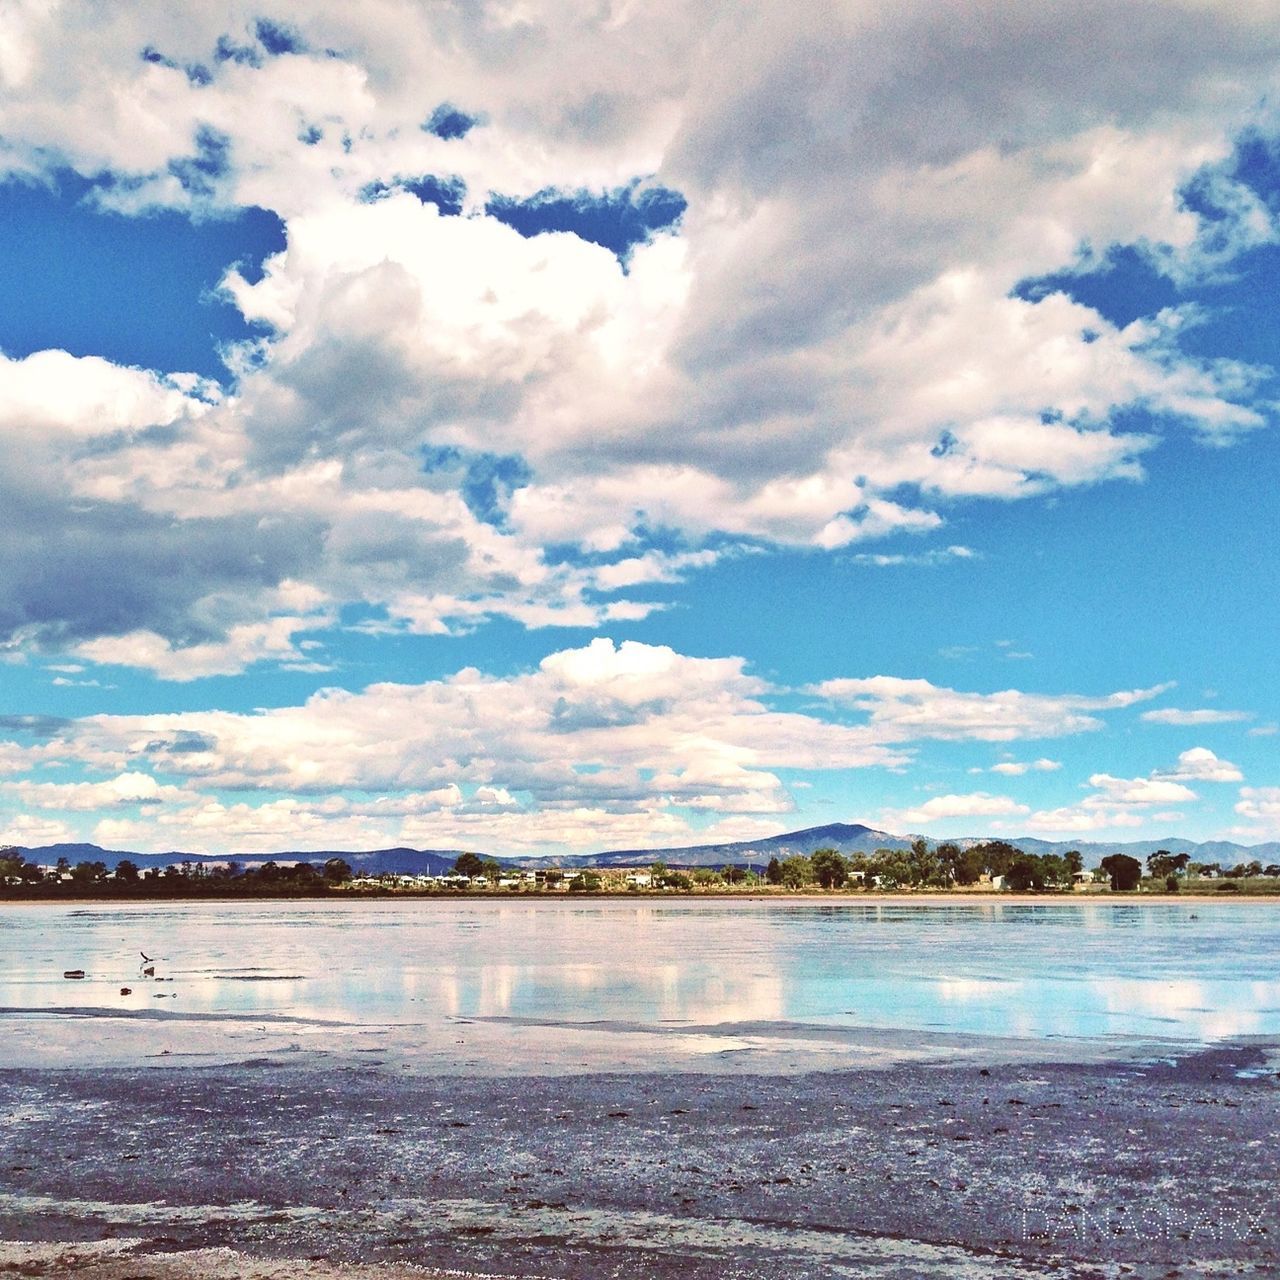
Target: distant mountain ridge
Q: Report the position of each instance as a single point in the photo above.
(847, 837)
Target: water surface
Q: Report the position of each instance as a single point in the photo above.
(606, 983)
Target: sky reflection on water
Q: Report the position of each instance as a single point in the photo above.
(1189, 971)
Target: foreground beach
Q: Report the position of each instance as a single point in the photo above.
(1057, 1170)
(581, 1090)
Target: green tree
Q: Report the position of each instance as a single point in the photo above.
(1075, 863)
(891, 867)
(924, 863)
(952, 863)
(996, 856)
(1125, 872)
(337, 870)
(796, 871)
(773, 872)
(126, 871)
(470, 865)
(830, 868)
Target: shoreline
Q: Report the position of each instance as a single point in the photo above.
(919, 897)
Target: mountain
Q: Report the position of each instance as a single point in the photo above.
(401, 861)
(1224, 851)
(847, 837)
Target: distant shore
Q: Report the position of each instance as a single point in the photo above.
(856, 898)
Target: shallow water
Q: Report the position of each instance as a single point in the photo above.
(611, 983)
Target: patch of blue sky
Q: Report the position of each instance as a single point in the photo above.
(198, 173)
(197, 73)
(448, 122)
(135, 290)
(485, 480)
(1234, 317)
(278, 38)
(447, 194)
(617, 220)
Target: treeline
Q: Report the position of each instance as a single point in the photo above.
(922, 866)
(22, 878)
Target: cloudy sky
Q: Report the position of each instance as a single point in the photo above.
(530, 425)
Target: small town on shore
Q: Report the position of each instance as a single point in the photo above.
(987, 867)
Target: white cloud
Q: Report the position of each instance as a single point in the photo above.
(1016, 768)
(28, 830)
(1200, 716)
(828, 349)
(1199, 764)
(627, 725)
(917, 708)
(940, 808)
(1261, 805)
(130, 788)
(1077, 820)
(1136, 791)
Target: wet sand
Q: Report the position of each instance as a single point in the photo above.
(1017, 1169)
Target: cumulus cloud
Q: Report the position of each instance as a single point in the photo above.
(1199, 764)
(1261, 806)
(630, 739)
(918, 708)
(605, 743)
(825, 349)
(1136, 791)
(130, 788)
(1075, 820)
(976, 804)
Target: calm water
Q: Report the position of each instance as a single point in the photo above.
(405, 971)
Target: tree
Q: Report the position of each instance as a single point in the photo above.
(996, 856)
(1125, 872)
(830, 869)
(470, 865)
(796, 871)
(925, 867)
(1075, 863)
(1160, 864)
(491, 870)
(11, 862)
(337, 870)
(773, 872)
(584, 882)
(891, 867)
(1024, 874)
(126, 871)
(952, 862)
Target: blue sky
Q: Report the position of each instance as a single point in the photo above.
(568, 441)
